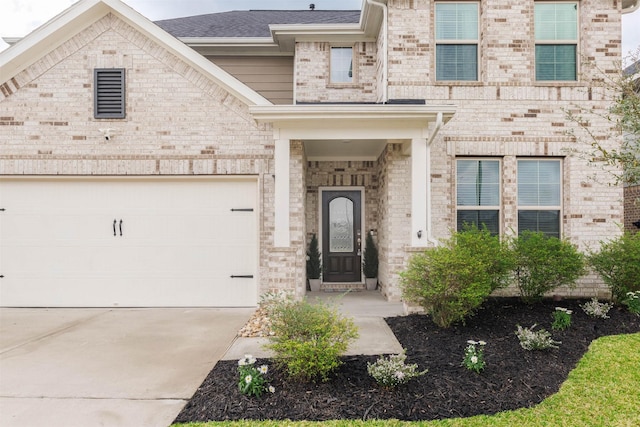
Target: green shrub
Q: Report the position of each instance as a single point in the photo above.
(309, 338)
(314, 264)
(370, 258)
(544, 264)
(618, 263)
(453, 280)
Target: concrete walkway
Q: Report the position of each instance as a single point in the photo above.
(103, 367)
(137, 367)
(368, 310)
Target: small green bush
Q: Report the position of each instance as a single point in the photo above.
(314, 263)
(370, 258)
(618, 263)
(451, 281)
(309, 338)
(544, 264)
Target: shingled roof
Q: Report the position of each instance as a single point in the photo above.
(252, 23)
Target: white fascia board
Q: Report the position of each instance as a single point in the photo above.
(83, 14)
(235, 46)
(225, 41)
(49, 36)
(288, 34)
(276, 113)
(351, 121)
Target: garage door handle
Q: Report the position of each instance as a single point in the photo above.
(114, 227)
(121, 227)
(247, 276)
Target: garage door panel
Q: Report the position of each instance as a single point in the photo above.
(180, 243)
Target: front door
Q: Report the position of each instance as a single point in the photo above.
(341, 236)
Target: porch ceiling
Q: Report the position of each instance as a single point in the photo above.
(344, 149)
(352, 131)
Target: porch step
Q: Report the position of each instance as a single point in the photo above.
(343, 287)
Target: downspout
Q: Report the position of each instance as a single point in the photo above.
(430, 237)
(385, 56)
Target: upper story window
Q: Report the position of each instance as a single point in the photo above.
(109, 93)
(556, 32)
(457, 29)
(478, 194)
(539, 196)
(341, 65)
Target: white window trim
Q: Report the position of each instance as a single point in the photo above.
(457, 42)
(354, 67)
(497, 207)
(575, 42)
(538, 207)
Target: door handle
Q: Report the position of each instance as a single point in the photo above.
(114, 227)
(121, 227)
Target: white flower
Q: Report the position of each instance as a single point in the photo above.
(242, 362)
(482, 343)
(399, 375)
(474, 359)
(472, 342)
(271, 389)
(263, 369)
(248, 379)
(569, 311)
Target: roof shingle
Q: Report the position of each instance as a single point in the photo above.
(252, 23)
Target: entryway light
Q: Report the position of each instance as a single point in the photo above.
(419, 234)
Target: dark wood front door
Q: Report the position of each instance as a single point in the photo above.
(341, 236)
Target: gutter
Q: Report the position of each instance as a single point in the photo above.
(385, 57)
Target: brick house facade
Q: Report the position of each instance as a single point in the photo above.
(390, 130)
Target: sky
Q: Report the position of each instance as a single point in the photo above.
(19, 17)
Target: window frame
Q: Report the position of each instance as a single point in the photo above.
(353, 65)
(558, 208)
(557, 42)
(457, 42)
(97, 112)
(476, 208)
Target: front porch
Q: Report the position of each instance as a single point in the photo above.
(370, 166)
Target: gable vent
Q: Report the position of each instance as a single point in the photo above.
(109, 94)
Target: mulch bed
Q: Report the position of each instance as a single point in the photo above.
(513, 378)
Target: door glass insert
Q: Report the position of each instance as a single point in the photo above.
(341, 225)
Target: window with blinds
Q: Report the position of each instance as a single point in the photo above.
(556, 33)
(457, 29)
(539, 196)
(109, 93)
(478, 194)
(341, 65)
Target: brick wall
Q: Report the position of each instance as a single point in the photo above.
(312, 74)
(179, 122)
(631, 207)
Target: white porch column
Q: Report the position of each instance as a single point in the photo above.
(419, 189)
(281, 235)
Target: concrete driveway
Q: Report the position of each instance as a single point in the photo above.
(107, 367)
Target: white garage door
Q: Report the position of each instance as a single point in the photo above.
(128, 242)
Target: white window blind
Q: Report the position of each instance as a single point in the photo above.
(556, 34)
(539, 196)
(457, 34)
(341, 65)
(478, 194)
